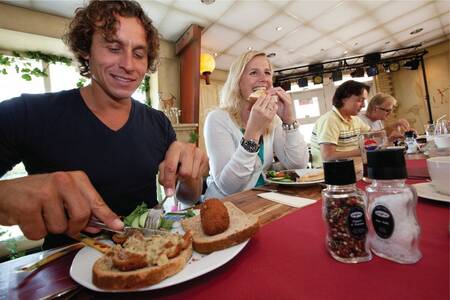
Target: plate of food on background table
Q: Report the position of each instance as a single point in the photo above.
(295, 177)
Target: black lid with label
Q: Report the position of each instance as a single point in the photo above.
(339, 172)
(386, 164)
(410, 134)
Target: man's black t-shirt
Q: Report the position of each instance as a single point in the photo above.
(57, 132)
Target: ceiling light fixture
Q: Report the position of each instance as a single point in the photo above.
(394, 67)
(411, 64)
(345, 52)
(302, 82)
(279, 28)
(286, 85)
(271, 54)
(372, 71)
(416, 31)
(358, 72)
(207, 2)
(336, 75)
(250, 48)
(318, 79)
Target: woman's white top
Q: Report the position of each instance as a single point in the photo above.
(232, 168)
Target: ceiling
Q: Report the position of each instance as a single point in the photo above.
(298, 32)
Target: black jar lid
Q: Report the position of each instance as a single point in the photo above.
(339, 172)
(386, 164)
(410, 134)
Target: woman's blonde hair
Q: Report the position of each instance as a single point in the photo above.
(231, 99)
(378, 100)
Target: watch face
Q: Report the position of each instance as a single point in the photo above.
(250, 145)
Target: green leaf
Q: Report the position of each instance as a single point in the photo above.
(4, 71)
(27, 77)
(25, 70)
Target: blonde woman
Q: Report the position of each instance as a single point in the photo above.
(379, 108)
(242, 137)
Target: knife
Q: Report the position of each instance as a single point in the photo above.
(145, 231)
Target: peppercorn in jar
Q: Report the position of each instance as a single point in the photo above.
(344, 213)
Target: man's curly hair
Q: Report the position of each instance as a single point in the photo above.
(101, 15)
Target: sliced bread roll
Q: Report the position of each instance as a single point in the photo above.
(142, 261)
(242, 227)
(256, 94)
(107, 277)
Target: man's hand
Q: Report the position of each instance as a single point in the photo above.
(184, 162)
(60, 202)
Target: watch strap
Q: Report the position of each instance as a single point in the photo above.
(294, 125)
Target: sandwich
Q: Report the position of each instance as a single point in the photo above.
(142, 261)
(258, 92)
(316, 176)
(241, 227)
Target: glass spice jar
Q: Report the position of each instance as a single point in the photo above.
(392, 208)
(344, 213)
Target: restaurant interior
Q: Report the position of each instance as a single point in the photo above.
(396, 47)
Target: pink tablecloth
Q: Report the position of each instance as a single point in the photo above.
(287, 260)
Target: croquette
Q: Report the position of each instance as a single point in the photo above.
(214, 217)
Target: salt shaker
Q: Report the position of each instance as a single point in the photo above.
(394, 233)
(411, 143)
(343, 211)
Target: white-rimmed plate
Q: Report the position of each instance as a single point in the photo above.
(428, 191)
(299, 172)
(199, 264)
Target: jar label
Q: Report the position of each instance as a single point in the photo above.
(383, 221)
(357, 222)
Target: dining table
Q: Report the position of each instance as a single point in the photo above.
(286, 259)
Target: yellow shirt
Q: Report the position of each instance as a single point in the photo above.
(332, 128)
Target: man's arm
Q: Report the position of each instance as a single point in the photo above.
(328, 152)
(187, 164)
(60, 202)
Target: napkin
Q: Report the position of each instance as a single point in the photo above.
(293, 201)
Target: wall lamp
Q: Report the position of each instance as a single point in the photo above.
(207, 66)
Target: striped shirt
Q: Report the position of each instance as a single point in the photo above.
(332, 128)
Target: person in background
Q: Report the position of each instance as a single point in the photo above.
(94, 151)
(241, 137)
(335, 134)
(378, 109)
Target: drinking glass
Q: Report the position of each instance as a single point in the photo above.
(371, 141)
(429, 132)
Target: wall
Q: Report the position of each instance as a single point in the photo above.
(24, 29)
(209, 99)
(409, 88)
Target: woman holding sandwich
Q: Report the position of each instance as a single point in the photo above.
(253, 122)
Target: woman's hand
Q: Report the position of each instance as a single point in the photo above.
(285, 105)
(261, 114)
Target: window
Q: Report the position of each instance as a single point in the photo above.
(12, 85)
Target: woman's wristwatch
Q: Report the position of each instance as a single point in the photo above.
(250, 145)
(292, 126)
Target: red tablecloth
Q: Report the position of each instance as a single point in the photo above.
(417, 168)
(287, 259)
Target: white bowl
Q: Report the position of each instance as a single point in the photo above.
(439, 169)
(442, 140)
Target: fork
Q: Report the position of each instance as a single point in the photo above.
(155, 214)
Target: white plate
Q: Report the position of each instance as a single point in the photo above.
(199, 264)
(428, 191)
(300, 172)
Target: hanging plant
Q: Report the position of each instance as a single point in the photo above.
(25, 68)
